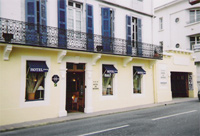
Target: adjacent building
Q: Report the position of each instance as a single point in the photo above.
(176, 28)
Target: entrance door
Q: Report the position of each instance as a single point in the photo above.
(75, 100)
(179, 84)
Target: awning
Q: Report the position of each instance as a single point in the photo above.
(110, 69)
(38, 66)
(139, 70)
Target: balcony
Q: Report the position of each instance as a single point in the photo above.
(22, 33)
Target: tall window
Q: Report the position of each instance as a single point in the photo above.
(74, 16)
(161, 23)
(35, 80)
(138, 73)
(134, 37)
(36, 21)
(108, 73)
(194, 15)
(107, 28)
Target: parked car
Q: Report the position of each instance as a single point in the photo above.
(199, 94)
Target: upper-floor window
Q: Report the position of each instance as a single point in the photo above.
(193, 41)
(194, 15)
(36, 31)
(160, 23)
(74, 21)
(107, 22)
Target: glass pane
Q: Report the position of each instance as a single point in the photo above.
(70, 3)
(192, 16)
(70, 24)
(198, 15)
(78, 25)
(137, 83)
(70, 13)
(198, 39)
(78, 15)
(107, 84)
(78, 5)
(80, 66)
(70, 66)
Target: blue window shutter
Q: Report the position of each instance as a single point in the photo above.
(89, 27)
(139, 37)
(31, 19)
(62, 24)
(106, 34)
(128, 35)
(43, 23)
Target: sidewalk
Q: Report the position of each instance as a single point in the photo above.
(76, 116)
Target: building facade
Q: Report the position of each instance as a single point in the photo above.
(63, 56)
(176, 27)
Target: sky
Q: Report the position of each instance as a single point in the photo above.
(160, 2)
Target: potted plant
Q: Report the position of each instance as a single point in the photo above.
(33, 82)
(156, 54)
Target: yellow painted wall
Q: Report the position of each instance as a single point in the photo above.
(164, 93)
(10, 90)
(123, 96)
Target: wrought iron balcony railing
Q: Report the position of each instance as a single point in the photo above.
(18, 32)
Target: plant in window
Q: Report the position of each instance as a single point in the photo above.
(33, 81)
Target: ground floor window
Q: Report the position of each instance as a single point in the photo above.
(108, 73)
(107, 84)
(138, 73)
(35, 80)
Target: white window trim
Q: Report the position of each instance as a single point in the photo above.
(108, 97)
(74, 15)
(195, 16)
(143, 90)
(23, 103)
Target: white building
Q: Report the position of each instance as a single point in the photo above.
(177, 28)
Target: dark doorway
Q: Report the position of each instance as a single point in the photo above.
(75, 100)
(179, 84)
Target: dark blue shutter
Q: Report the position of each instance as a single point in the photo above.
(43, 23)
(89, 27)
(128, 35)
(139, 37)
(106, 34)
(62, 24)
(31, 19)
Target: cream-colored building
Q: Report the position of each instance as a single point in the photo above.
(59, 57)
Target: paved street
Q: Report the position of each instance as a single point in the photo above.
(181, 119)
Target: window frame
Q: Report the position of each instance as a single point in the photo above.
(34, 103)
(196, 15)
(142, 81)
(74, 18)
(107, 97)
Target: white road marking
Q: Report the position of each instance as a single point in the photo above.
(105, 130)
(174, 115)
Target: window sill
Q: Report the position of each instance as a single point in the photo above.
(161, 30)
(194, 23)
